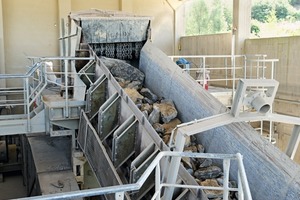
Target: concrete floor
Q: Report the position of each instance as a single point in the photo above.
(12, 186)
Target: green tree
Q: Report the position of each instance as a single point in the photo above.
(217, 20)
(261, 11)
(294, 2)
(198, 19)
(281, 11)
(228, 17)
(202, 20)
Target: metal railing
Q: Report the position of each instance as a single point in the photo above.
(225, 70)
(119, 190)
(27, 97)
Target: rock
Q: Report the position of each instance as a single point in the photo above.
(148, 94)
(147, 107)
(190, 171)
(233, 184)
(133, 94)
(206, 163)
(122, 82)
(192, 148)
(167, 110)
(121, 69)
(194, 140)
(166, 139)
(212, 193)
(171, 125)
(208, 172)
(145, 112)
(134, 85)
(187, 163)
(159, 128)
(198, 181)
(149, 101)
(187, 138)
(154, 116)
(200, 148)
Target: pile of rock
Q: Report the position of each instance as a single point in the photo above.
(206, 173)
(162, 115)
(160, 112)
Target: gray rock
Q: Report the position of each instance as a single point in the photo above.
(187, 163)
(191, 148)
(206, 163)
(208, 172)
(158, 128)
(190, 171)
(147, 93)
(167, 110)
(147, 107)
(145, 112)
(200, 148)
(154, 116)
(149, 101)
(121, 69)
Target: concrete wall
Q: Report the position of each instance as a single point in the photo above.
(32, 27)
(287, 72)
(218, 44)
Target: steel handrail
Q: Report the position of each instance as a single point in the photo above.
(121, 189)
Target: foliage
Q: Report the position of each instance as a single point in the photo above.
(261, 11)
(228, 17)
(294, 2)
(207, 20)
(281, 11)
(197, 19)
(255, 27)
(217, 20)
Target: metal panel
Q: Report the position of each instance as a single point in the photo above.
(87, 73)
(108, 117)
(96, 95)
(124, 141)
(138, 167)
(92, 146)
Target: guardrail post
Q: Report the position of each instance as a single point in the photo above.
(119, 195)
(66, 63)
(27, 104)
(157, 181)
(174, 165)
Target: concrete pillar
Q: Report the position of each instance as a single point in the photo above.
(241, 23)
(126, 5)
(2, 54)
